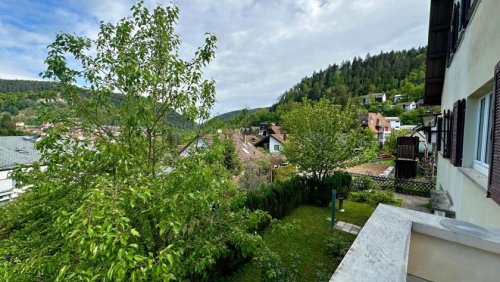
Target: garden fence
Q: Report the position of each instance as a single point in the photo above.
(398, 185)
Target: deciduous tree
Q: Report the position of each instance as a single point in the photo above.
(324, 137)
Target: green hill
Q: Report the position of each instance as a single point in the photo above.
(390, 72)
(20, 98)
(231, 115)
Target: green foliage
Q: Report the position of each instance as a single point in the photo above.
(8, 126)
(284, 173)
(255, 175)
(231, 161)
(277, 198)
(124, 207)
(337, 246)
(366, 183)
(306, 248)
(392, 72)
(391, 144)
(19, 86)
(325, 136)
(375, 197)
(319, 191)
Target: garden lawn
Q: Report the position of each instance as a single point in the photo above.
(306, 247)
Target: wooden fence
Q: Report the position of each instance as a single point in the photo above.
(403, 186)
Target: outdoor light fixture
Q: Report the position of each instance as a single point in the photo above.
(429, 119)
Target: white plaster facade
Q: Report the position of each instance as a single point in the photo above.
(470, 77)
(395, 122)
(275, 146)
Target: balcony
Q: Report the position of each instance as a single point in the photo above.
(403, 245)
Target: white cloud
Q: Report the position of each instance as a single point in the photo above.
(264, 47)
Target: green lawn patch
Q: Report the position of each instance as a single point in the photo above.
(305, 248)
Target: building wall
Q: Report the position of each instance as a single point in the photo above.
(436, 259)
(272, 143)
(470, 77)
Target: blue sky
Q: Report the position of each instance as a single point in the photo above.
(264, 46)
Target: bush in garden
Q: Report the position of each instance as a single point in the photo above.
(338, 246)
(375, 197)
(284, 173)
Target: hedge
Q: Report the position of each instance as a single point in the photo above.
(280, 198)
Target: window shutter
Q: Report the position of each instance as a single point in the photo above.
(494, 173)
(457, 132)
(439, 132)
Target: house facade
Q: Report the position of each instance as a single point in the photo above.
(408, 106)
(463, 77)
(395, 122)
(377, 97)
(377, 124)
(14, 151)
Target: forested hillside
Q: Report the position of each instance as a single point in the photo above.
(392, 72)
(17, 86)
(21, 100)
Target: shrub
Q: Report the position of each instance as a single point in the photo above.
(284, 173)
(376, 197)
(365, 183)
(337, 246)
(319, 192)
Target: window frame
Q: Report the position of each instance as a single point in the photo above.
(483, 134)
(277, 147)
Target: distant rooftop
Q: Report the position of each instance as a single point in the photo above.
(17, 150)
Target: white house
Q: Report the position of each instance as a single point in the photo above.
(398, 98)
(273, 142)
(395, 122)
(408, 106)
(14, 151)
(378, 124)
(463, 77)
(377, 97)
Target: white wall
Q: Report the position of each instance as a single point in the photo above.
(436, 259)
(272, 143)
(470, 77)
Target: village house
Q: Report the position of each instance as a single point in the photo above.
(274, 139)
(14, 151)
(463, 77)
(398, 98)
(245, 149)
(408, 106)
(395, 122)
(377, 97)
(378, 124)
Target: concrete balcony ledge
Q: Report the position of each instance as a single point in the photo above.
(397, 244)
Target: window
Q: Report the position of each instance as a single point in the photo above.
(276, 147)
(483, 135)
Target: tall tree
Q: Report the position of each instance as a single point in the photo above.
(324, 137)
(119, 205)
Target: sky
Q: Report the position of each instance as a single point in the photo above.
(264, 47)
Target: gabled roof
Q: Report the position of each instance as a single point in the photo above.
(375, 95)
(245, 150)
(279, 137)
(408, 103)
(17, 150)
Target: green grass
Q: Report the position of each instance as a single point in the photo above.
(306, 247)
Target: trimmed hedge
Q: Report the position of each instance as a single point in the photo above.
(280, 198)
